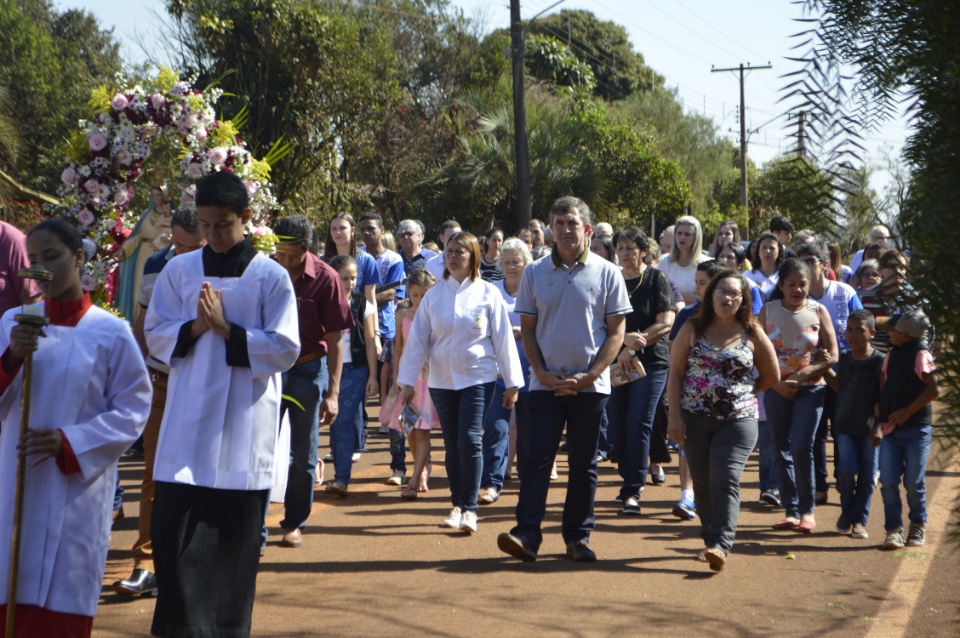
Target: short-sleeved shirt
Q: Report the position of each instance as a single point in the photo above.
(510, 301)
(650, 294)
(13, 257)
(367, 272)
(571, 306)
(321, 305)
(151, 270)
(840, 300)
(685, 277)
(686, 313)
(390, 267)
(766, 284)
(416, 262)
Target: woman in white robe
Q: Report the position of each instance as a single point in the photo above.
(91, 396)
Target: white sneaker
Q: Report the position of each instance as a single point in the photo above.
(396, 478)
(468, 522)
(453, 521)
(355, 457)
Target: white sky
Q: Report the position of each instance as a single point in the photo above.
(680, 39)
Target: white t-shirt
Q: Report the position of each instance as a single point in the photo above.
(345, 335)
(684, 277)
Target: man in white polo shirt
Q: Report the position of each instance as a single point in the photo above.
(572, 306)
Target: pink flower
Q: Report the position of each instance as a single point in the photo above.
(157, 100)
(194, 170)
(68, 176)
(85, 217)
(124, 158)
(91, 186)
(217, 156)
(119, 101)
(121, 197)
(252, 187)
(201, 135)
(98, 142)
(88, 282)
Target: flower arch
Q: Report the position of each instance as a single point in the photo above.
(107, 155)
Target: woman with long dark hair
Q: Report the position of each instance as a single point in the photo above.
(713, 391)
(798, 327)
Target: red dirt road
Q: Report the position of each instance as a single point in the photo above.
(375, 565)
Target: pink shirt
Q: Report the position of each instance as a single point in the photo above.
(13, 257)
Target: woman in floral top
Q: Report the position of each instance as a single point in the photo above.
(711, 379)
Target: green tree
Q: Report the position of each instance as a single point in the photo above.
(797, 189)
(897, 48)
(605, 47)
(549, 59)
(315, 79)
(694, 141)
(52, 61)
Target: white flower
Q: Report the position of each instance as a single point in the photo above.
(68, 176)
(84, 171)
(85, 217)
(119, 101)
(252, 187)
(201, 135)
(121, 197)
(124, 158)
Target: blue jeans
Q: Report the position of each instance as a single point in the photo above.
(343, 432)
(522, 415)
(717, 452)
(582, 414)
(904, 453)
(604, 445)
(398, 451)
(766, 466)
(496, 442)
(793, 425)
(306, 383)
(821, 472)
(461, 414)
(856, 466)
(631, 410)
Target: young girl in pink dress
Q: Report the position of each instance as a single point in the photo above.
(419, 282)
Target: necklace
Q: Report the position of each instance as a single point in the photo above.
(637, 287)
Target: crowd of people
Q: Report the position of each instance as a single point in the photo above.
(624, 348)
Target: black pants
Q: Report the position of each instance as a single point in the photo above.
(206, 545)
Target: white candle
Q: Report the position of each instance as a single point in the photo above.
(33, 309)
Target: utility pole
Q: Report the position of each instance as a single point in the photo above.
(801, 135)
(743, 132)
(522, 159)
(518, 35)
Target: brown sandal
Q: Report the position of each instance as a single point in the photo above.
(716, 558)
(409, 493)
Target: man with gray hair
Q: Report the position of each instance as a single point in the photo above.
(666, 240)
(572, 306)
(603, 229)
(879, 234)
(410, 239)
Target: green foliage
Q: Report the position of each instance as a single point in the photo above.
(796, 188)
(897, 47)
(605, 47)
(694, 142)
(51, 62)
(549, 59)
(318, 79)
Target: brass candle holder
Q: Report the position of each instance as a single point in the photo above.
(33, 315)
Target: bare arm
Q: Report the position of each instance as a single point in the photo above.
(679, 352)
(370, 345)
(329, 404)
(660, 328)
(765, 360)
(387, 296)
(369, 291)
(929, 395)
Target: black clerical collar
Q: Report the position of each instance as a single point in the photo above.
(231, 263)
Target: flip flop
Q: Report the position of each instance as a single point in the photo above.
(786, 524)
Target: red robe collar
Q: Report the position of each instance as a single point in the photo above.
(67, 313)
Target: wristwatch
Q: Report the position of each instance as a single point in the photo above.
(632, 352)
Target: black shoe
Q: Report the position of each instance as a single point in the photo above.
(580, 551)
(516, 547)
(140, 583)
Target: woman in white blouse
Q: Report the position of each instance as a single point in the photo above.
(463, 328)
(680, 264)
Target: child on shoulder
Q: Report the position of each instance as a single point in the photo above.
(907, 419)
(857, 382)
